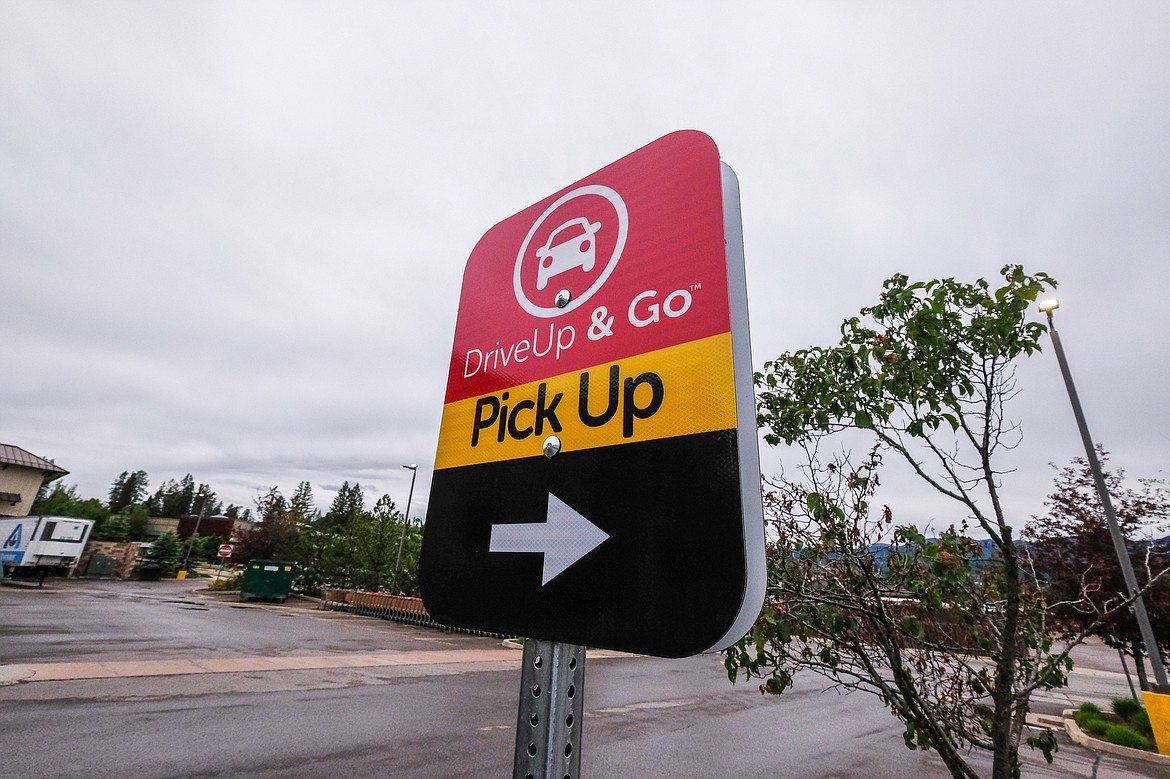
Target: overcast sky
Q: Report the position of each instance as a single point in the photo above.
(232, 234)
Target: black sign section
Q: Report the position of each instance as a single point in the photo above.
(643, 572)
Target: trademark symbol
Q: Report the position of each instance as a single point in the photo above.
(696, 286)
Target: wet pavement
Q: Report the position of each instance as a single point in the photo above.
(328, 693)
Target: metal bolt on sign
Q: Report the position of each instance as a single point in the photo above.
(549, 721)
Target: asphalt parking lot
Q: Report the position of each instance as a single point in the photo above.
(158, 679)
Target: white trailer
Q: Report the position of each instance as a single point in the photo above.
(39, 546)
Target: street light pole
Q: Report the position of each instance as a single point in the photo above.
(195, 532)
(405, 524)
(1139, 606)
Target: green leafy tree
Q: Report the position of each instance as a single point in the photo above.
(137, 517)
(363, 553)
(1071, 550)
(128, 489)
(62, 500)
(926, 372)
(371, 542)
(329, 545)
(116, 528)
(206, 548)
(274, 535)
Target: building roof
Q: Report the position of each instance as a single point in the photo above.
(14, 455)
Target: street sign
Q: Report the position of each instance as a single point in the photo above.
(597, 474)
(225, 550)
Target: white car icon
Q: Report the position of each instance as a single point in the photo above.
(577, 251)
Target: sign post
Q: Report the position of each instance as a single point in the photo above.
(597, 477)
(551, 712)
(225, 551)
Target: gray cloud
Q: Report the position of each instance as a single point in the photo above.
(232, 236)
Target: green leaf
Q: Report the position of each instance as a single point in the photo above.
(775, 686)
(1046, 742)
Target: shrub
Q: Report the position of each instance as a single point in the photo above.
(1134, 715)
(1095, 722)
(1091, 719)
(1140, 721)
(1126, 707)
(1093, 725)
(1125, 737)
(233, 582)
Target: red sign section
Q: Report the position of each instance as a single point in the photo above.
(625, 261)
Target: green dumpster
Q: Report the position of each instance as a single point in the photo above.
(268, 580)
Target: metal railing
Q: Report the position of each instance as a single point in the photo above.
(397, 608)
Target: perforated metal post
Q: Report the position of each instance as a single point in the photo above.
(548, 725)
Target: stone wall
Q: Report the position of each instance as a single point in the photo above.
(125, 554)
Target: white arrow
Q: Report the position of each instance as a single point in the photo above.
(563, 540)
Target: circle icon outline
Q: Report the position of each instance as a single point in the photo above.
(623, 217)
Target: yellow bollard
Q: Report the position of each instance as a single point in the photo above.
(1158, 707)
(181, 575)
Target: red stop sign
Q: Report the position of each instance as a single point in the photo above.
(225, 550)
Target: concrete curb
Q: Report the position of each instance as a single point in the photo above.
(511, 643)
(14, 674)
(1084, 739)
(26, 584)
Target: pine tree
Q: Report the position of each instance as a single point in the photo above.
(205, 502)
(167, 552)
(301, 506)
(346, 507)
(128, 489)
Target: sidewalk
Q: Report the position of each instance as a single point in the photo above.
(53, 672)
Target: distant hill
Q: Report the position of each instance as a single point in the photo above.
(881, 552)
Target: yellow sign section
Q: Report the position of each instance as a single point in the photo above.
(679, 390)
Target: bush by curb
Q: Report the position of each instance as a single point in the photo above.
(1080, 737)
(1127, 726)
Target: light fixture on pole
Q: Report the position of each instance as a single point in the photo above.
(405, 523)
(1139, 606)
